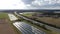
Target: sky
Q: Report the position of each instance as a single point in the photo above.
(29, 4)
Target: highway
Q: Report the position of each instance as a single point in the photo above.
(46, 26)
(23, 27)
(27, 29)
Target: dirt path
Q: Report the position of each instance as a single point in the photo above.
(5, 27)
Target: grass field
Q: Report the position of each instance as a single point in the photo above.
(28, 14)
(50, 20)
(3, 15)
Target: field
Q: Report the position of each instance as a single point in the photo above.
(28, 14)
(3, 15)
(50, 20)
(5, 27)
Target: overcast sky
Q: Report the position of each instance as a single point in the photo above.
(29, 4)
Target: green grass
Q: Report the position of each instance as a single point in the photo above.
(28, 15)
(3, 15)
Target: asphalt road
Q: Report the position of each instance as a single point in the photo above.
(27, 29)
(47, 26)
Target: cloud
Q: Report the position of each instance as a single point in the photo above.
(38, 4)
(29, 4)
(28, 1)
(12, 4)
